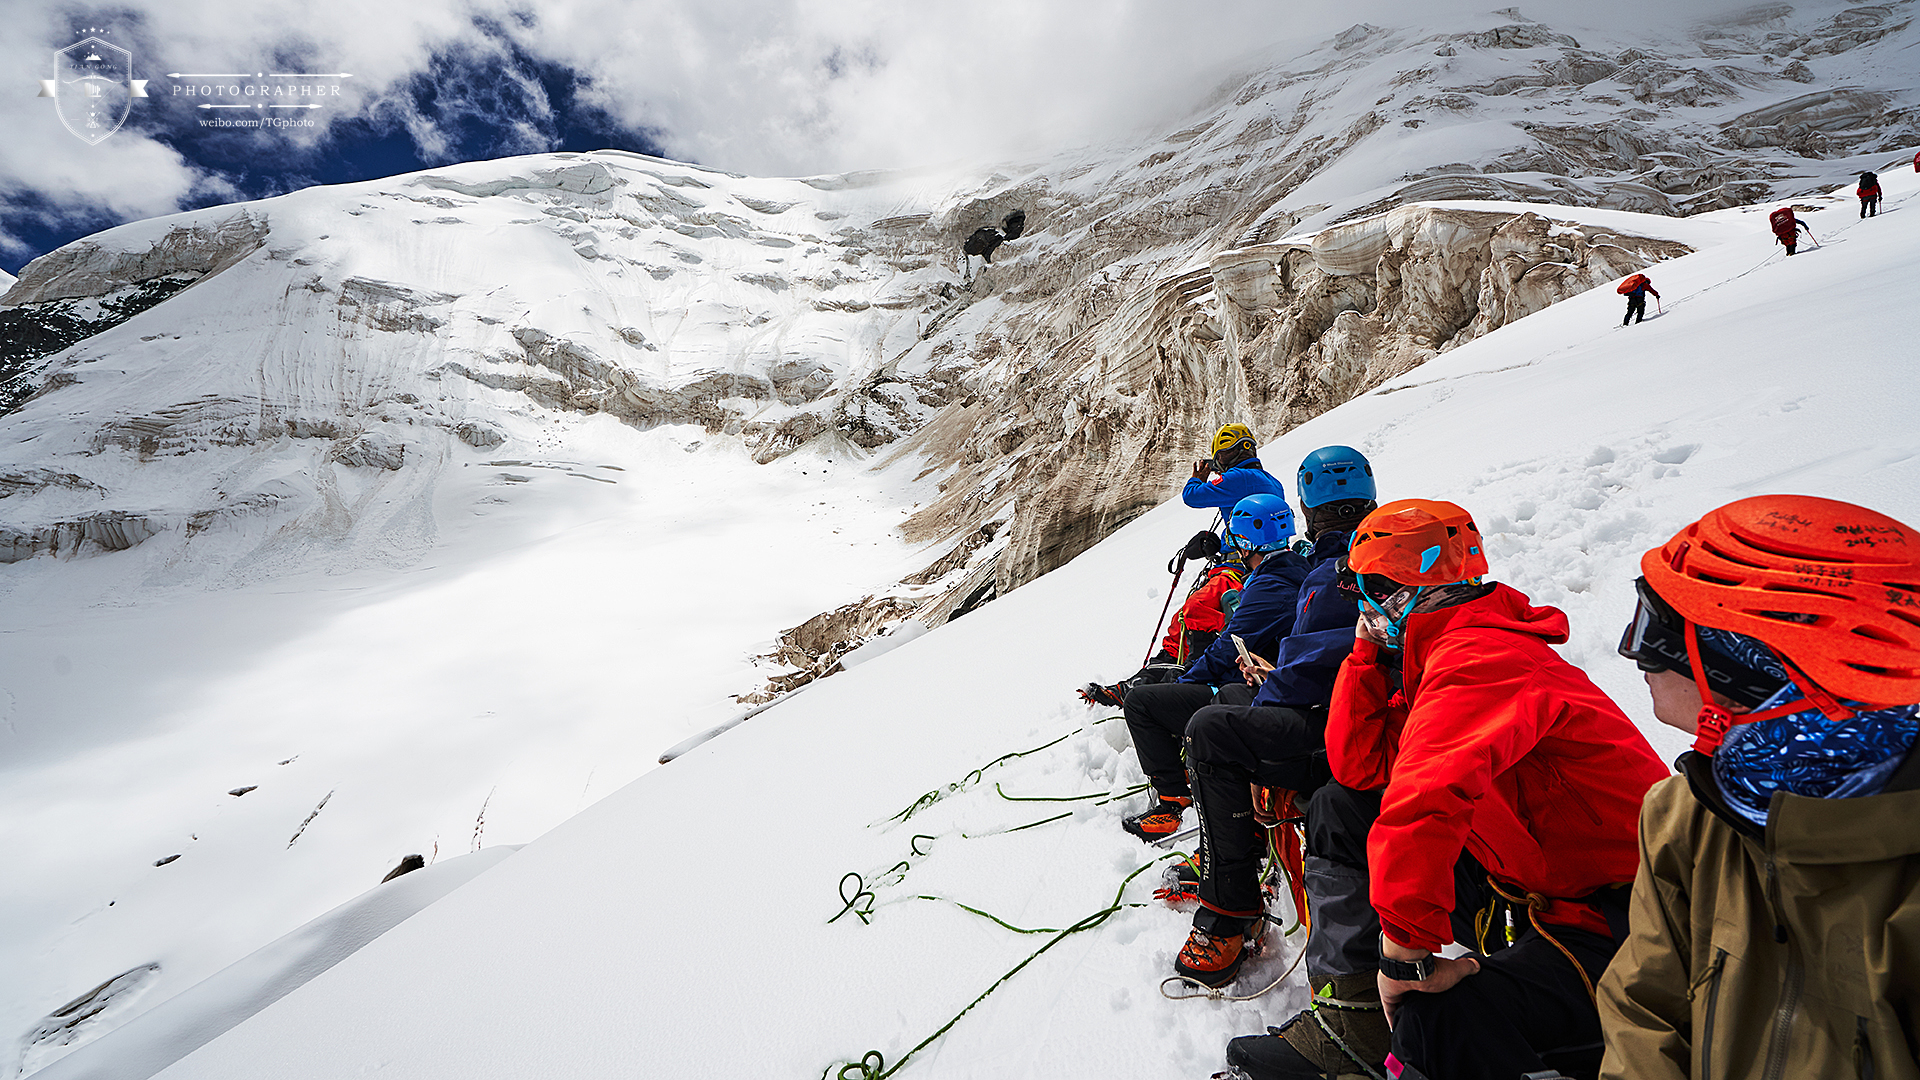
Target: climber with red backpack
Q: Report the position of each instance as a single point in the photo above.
(1635, 289)
(1786, 228)
(1869, 192)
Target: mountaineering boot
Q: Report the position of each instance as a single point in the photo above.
(1342, 1034)
(1160, 820)
(1210, 960)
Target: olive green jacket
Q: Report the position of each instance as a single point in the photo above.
(1790, 953)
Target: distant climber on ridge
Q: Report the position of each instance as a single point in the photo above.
(1869, 192)
(1786, 227)
(1635, 289)
(1240, 472)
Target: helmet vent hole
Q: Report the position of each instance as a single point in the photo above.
(1906, 617)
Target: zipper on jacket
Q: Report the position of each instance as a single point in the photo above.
(1712, 979)
(1862, 1050)
(1790, 992)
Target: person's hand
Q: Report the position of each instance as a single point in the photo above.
(1365, 633)
(1446, 973)
(1256, 672)
(1203, 468)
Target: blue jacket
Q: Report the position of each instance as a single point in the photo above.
(1309, 657)
(1244, 479)
(1265, 615)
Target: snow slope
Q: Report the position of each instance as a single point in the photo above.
(686, 924)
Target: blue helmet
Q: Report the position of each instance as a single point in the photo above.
(1261, 523)
(1335, 472)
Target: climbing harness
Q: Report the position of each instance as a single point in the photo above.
(1534, 902)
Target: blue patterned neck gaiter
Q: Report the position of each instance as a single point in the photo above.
(1806, 754)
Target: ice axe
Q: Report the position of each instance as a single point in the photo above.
(1203, 545)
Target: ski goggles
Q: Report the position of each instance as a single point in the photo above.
(1374, 587)
(1656, 640)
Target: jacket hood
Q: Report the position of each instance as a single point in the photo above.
(1872, 828)
(1505, 608)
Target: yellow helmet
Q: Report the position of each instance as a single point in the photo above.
(1235, 442)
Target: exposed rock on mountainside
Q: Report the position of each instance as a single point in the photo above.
(1275, 334)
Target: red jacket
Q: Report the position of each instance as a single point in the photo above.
(1202, 611)
(1497, 745)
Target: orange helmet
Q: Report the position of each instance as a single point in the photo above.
(1832, 587)
(1418, 542)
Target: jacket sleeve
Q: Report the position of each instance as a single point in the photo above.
(1644, 996)
(1208, 494)
(1308, 659)
(1264, 616)
(1359, 722)
(1479, 709)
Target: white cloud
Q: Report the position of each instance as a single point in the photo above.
(756, 86)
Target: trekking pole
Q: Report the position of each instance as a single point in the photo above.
(1657, 309)
(1179, 567)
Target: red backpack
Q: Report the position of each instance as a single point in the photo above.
(1633, 284)
(1782, 222)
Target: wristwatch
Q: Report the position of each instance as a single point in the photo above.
(1404, 970)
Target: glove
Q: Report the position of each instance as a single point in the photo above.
(1204, 545)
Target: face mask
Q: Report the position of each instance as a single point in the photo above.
(1384, 617)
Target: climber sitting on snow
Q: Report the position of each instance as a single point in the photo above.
(1240, 473)
(1157, 714)
(1479, 775)
(1200, 619)
(1276, 743)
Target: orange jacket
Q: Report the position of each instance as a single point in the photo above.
(1202, 612)
(1496, 745)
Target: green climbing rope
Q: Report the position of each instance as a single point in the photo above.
(873, 1065)
(1103, 796)
(979, 774)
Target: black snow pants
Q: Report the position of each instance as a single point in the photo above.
(1636, 305)
(1157, 715)
(1526, 1010)
(1229, 748)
